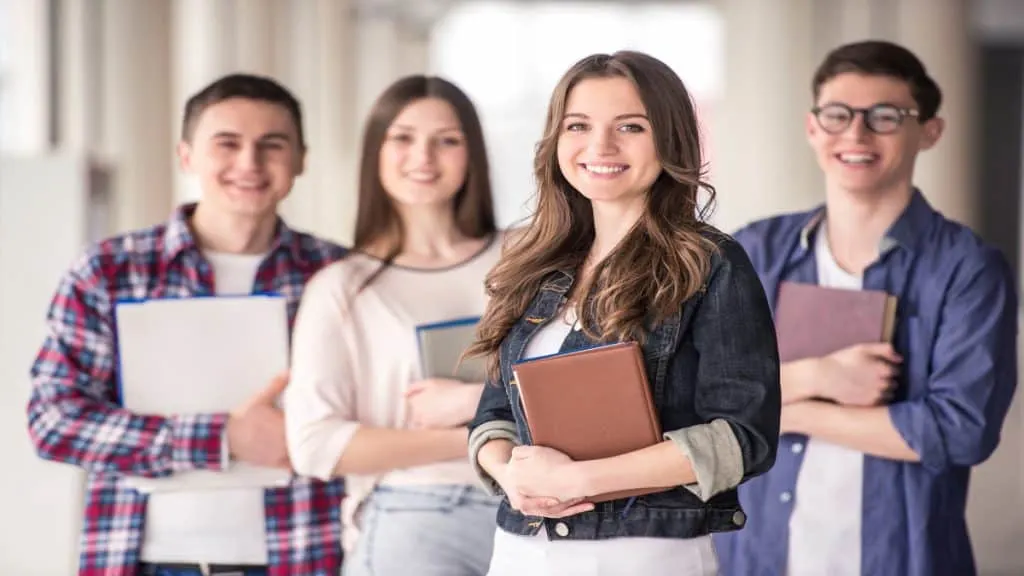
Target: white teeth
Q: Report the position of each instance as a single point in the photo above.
(857, 158)
(422, 176)
(604, 169)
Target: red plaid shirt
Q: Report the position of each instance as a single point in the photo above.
(75, 417)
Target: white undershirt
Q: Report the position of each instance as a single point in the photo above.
(825, 527)
(216, 526)
(549, 339)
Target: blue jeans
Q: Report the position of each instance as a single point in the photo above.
(425, 530)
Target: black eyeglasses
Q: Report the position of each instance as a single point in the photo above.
(880, 118)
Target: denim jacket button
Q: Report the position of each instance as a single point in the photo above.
(739, 518)
(562, 529)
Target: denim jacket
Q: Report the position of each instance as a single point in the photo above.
(716, 360)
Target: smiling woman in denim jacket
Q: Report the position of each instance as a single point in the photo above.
(617, 251)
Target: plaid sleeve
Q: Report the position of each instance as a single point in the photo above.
(73, 412)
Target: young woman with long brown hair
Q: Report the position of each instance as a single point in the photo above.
(357, 405)
(618, 251)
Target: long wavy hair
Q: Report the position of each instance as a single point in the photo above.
(661, 263)
(377, 221)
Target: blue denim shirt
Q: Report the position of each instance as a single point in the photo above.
(957, 332)
(716, 359)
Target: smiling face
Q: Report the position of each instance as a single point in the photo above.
(246, 155)
(606, 147)
(424, 157)
(856, 159)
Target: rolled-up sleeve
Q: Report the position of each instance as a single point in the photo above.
(493, 430)
(320, 400)
(714, 454)
(737, 378)
(973, 375)
(493, 421)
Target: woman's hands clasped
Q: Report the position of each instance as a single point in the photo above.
(543, 482)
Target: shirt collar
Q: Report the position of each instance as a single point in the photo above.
(178, 236)
(905, 232)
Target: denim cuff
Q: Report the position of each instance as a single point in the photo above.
(714, 453)
(482, 434)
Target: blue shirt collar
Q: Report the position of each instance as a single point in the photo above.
(906, 232)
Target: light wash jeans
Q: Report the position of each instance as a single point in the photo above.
(425, 531)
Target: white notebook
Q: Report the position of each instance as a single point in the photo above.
(198, 356)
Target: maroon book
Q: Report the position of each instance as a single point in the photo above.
(812, 320)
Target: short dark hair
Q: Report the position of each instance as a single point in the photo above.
(881, 58)
(248, 86)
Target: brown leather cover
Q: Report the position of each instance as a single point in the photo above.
(590, 404)
(812, 320)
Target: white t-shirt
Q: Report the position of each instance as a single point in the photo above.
(825, 527)
(217, 526)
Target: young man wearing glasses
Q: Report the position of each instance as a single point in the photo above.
(878, 439)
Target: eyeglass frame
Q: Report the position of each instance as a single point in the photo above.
(864, 112)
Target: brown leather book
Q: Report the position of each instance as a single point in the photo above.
(812, 320)
(590, 404)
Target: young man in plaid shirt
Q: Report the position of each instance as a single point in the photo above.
(242, 138)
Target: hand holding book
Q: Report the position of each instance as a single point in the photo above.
(255, 430)
(450, 390)
(525, 479)
(441, 403)
(210, 355)
(539, 471)
(859, 375)
(590, 404)
(835, 344)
